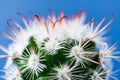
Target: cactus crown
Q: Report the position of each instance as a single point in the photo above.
(58, 49)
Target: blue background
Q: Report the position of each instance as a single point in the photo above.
(94, 8)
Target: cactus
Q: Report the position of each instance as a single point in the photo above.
(58, 48)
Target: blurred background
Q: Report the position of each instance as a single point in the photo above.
(94, 8)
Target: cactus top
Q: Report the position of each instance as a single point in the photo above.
(58, 48)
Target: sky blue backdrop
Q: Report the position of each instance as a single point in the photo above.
(94, 8)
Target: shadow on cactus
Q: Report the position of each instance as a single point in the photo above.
(58, 48)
